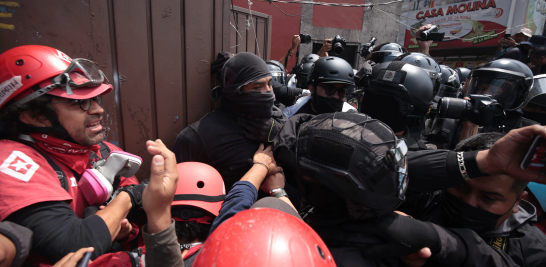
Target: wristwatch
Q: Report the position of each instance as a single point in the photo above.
(278, 193)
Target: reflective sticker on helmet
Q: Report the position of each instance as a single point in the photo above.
(8, 87)
(19, 165)
(389, 75)
(64, 56)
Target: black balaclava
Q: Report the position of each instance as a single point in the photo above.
(458, 214)
(240, 70)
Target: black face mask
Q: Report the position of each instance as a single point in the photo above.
(459, 214)
(536, 116)
(326, 104)
(254, 104)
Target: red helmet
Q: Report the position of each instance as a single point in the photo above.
(264, 237)
(25, 66)
(199, 185)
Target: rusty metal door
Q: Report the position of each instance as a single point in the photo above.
(250, 31)
(156, 53)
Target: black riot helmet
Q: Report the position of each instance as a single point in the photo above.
(387, 52)
(537, 95)
(425, 62)
(302, 74)
(396, 93)
(507, 80)
(331, 70)
(277, 71)
(310, 58)
(449, 77)
(356, 157)
(463, 74)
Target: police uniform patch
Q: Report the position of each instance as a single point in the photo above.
(499, 243)
(389, 75)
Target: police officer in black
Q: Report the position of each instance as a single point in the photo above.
(508, 81)
(398, 94)
(442, 131)
(330, 78)
(284, 95)
(534, 106)
(228, 137)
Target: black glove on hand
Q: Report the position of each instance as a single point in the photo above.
(135, 192)
(259, 129)
(401, 235)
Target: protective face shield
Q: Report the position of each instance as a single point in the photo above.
(277, 71)
(96, 183)
(507, 87)
(538, 89)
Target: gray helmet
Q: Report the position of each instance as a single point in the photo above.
(357, 157)
(331, 70)
(277, 71)
(537, 95)
(507, 80)
(407, 83)
(310, 58)
(302, 74)
(387, 52)
(463, 73)
(425, 62)
(449, 77)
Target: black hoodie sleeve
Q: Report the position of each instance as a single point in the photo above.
(58, 231)
(284, 94)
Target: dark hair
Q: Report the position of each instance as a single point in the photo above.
(484, 141)
(11, 126)
(538, 52)
(187, 232)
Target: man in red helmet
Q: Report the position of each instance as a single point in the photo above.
(51, 132)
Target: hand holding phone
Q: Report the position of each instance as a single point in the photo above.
(535, 158)
(79, 258)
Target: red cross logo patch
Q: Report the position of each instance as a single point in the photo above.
(19, 165)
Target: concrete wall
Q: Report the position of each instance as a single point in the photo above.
(374, 24)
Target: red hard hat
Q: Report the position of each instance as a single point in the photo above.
(199, 185)
(24, 66)
(264, 237)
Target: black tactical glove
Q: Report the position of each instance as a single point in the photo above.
(135, 192)
(401, 235)
(259, 129)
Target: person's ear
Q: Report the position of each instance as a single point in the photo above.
(311, 88)
(515, 208)
(36, 121)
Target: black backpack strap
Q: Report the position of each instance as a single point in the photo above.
(56, 168)
(104, 150)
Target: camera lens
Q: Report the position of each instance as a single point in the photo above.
(423, 35)
(453, 108)
(338, 48)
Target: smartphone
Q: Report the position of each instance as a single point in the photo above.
(535, 158)
(84, 260)
(507, 35)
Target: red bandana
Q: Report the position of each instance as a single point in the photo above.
(75, 156)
